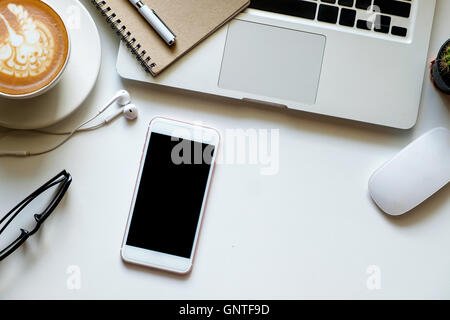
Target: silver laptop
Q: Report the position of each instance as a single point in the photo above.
(356, 59)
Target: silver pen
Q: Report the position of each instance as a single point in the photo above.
(155, 21)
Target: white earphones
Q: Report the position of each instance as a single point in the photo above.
(130, 111)
(123, 99)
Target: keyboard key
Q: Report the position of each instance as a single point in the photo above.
(328, 13)
(363, 4)
(364, 24)
(399, 31)
(329, 1)
(347, 3)
(347, 17)
(297, 8)
(382, 24)
(394, 7)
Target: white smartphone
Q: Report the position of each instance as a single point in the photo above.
(170, 195)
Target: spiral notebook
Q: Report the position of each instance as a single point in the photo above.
(191, 20)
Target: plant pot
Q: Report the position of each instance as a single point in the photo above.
(442, 83)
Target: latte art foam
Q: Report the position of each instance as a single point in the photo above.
(33, 46)
(27, 51)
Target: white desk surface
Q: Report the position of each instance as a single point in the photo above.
(311, 231)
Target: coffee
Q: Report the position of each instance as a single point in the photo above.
(34, 46)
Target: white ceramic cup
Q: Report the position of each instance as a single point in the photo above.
(56, 78)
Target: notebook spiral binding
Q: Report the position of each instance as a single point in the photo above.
(125, 35)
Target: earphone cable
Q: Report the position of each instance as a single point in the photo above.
(122, 97)
(69, 135)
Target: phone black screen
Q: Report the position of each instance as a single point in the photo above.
(170, 196)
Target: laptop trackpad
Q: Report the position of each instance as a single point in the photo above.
(272, 62)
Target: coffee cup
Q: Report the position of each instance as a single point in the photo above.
(34, 48)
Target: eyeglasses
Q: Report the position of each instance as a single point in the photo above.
(25, 219)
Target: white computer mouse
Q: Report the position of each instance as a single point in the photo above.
(414, 174)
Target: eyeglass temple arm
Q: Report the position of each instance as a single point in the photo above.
(13, 246)
(33, 195)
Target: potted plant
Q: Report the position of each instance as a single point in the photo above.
(440, 68)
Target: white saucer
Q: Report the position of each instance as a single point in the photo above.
(76, 83)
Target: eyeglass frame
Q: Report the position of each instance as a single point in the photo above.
(41, 217)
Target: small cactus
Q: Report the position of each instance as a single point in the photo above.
(444, 61)
(447, 56)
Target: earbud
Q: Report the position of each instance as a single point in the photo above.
(130, 111)
(122, 97)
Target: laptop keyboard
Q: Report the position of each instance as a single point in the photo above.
(388, 17)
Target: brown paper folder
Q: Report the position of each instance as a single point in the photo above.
(190, 20)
